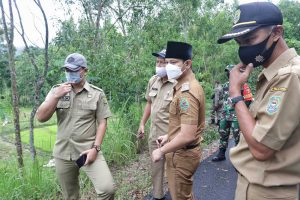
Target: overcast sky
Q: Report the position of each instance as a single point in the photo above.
(33, 21)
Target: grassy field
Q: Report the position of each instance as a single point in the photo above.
(44, 137)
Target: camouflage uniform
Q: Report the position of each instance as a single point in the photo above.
(228, 120)
(216, 105)
(228, 117)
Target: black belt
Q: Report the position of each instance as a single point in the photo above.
(191, 146)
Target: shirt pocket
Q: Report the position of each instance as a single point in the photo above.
(87, 109)
(63, 105)
(153, 95)
(62, 109)
(167, 100)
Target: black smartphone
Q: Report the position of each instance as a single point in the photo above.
(81, 160)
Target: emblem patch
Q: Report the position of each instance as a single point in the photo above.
(273, 105)
(184, 104)
(259, 59)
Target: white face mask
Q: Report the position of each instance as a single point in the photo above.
(173, 71)
(161, 71)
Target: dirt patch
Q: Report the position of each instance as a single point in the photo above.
(6, 149)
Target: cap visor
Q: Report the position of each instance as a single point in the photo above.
(159, 55)
(71, 67)
(236, 33)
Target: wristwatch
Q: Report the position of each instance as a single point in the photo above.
(234, 100)
(97, 147)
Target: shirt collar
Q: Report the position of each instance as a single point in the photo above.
(87, 86)
(280, 62)
(167, 80)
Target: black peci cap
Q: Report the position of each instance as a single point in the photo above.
(252, 16)
(179, 50)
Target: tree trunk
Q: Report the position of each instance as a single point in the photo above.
(39, 78)
(9, 36)
(97, 24)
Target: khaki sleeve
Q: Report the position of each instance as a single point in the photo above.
(279, 112)
(147, 97)
(188, 107)
(103, 110)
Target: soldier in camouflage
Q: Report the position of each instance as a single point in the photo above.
(216, 104)
(228, 119)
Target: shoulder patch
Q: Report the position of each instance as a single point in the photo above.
(95, 87)
(184, 104)
(273, 105)
(185, 87)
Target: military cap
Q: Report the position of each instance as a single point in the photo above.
(161, 54)
(252, 16)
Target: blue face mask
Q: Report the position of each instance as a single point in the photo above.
(73, 77)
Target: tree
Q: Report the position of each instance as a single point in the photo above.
(4, 68)
(40, 74)
(9, 36)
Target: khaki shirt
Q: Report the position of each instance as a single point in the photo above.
(77, 120)
(276, 110)
(160, 94)
(187, 107)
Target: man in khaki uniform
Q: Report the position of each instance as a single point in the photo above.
(267, 157)
(159, 96)
(181, 145)
(82, 111)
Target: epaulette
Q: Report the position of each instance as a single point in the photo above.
(285, 70)
(95, 87)
(293, 67)
(185, 87)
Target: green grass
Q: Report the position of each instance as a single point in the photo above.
(34, 182)
(44, 138)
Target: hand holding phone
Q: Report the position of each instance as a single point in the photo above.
(81, 160)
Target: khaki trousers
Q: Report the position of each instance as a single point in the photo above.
(181, 166)
(98, 172)
(249, 191)
(157, 173)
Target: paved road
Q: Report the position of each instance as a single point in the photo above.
(215, 181)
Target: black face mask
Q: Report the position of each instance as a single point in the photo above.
(256, 54)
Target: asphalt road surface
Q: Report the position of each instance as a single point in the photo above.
(215, 180)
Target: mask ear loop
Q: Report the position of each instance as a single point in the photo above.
(185, 68)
